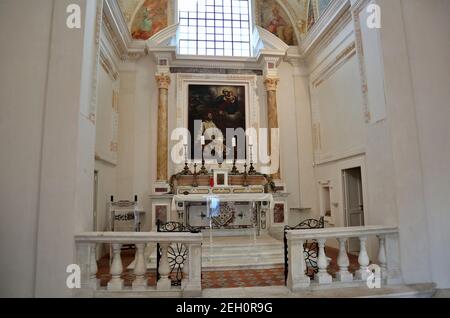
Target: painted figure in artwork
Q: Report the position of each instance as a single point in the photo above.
(150, 19)
(274, 20)
(218, 107)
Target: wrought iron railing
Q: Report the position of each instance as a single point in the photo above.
(310, 248)
(177, 252)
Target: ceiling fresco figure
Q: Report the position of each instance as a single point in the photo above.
(150, 19)
(275, 20)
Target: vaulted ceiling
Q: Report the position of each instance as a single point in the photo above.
(300, 13)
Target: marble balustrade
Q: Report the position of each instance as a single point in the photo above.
(385, 268)
(86, 245)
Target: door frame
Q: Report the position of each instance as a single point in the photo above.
(357, 162)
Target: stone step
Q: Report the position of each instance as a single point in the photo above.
(242, 250)
(234, 253)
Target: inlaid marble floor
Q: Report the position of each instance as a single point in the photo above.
(223, 278)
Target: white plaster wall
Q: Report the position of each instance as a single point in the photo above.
(107, 170)
(22, 90)
(337, 103)
(48, 144)
(104, 115)
(287, 122)
(66, 185)
(138, 103)
(428, 45)
(337, 112)
(349, 141)
(402, 137)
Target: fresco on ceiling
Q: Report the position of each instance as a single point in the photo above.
(311, 16)
(313, 10)
(275, 20)
(150, 19)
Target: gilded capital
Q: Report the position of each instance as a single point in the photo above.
(163, 81)
(271, 83)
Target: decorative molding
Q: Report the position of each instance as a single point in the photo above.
(94, 86)
(330, 20)
(356, 10)
(163, 45)
(199, 70)
(252, 105)
(119, 34)
(323, 159)
(345, 55)
(107, 62)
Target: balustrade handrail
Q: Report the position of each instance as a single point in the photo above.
(138, 237)
(341, 232)
(387, 259)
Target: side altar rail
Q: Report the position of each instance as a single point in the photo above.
(388, 257)
(86, 244)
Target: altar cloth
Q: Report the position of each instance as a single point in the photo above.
(244, 197)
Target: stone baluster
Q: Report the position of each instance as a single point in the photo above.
(93, 268)
(322, 277)
(297, 279)
(193, 287)
(363, 260)
(382, 255)
(116, 282)
(343, 262)
(185, 280)
(393, 270)
(164, 282)
(140, 282)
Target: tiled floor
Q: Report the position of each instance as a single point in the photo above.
(222, 279)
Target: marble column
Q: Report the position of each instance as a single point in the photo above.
(271, 84)
(163, 81)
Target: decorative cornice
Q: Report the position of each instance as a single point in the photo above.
(107, 62)
(324, 25)
(119, 34)
(340, 59)
(194, 70)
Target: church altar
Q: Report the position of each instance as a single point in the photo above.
(224, 210)
(231, 210)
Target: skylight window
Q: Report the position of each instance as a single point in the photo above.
(214, 27)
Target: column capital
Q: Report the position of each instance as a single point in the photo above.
(271, 83)
(163, 80)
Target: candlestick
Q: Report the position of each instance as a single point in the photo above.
(252, 170)
(195, 183)
(245, 184)
(234, 170)
(186, 170)
(203, 170)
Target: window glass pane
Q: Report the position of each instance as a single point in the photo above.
(214, 27)
(201, 51)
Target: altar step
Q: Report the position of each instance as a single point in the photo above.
(228, 253)
(237, 253)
